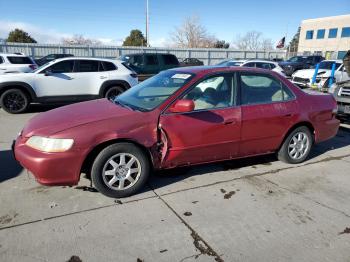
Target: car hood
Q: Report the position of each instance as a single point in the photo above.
(60, 119)
(14, 76)
(309, 73)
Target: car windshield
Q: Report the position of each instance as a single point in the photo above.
(297, 59)
(328, 65)
(152, 92)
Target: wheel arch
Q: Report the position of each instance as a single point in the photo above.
(124, 84)
(299, 124)
(25, 87)
(91, 156)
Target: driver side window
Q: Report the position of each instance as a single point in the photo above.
(61, 67)
(214, 92)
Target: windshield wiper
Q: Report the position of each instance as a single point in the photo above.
(131, 107)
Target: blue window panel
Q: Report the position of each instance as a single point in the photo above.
(341, 54)
(345, 32)
(333, 33)
(309, 34)
(320, 33)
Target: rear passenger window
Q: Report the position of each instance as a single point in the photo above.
(151, 60)
(263, 65)
(87, 66)
(262, 89)
(20, 60)
(249, 65)
(107, 66)
(170, 60)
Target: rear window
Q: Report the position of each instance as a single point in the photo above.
(170, 60)
(87, 66)
(19, 60)
(107, 66)
(1, 60)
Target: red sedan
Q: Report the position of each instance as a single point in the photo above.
(180, 117)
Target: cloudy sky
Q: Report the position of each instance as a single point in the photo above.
(110, 21)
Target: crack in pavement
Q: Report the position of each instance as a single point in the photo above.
(327, 159)
(199, 243)
(76, 212)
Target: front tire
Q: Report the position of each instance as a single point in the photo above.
(113, 91)
(120, 170)
(297, 146)
(14, 101)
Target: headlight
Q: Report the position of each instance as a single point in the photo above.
(49, 144)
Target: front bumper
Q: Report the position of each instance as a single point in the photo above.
(48, 168)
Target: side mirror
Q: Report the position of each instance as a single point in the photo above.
(48, 72)
(182, 106)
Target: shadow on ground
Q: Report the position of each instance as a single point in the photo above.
(37, 108)
(9, 167)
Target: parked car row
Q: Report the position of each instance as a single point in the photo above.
(258, 63)
(303, 78)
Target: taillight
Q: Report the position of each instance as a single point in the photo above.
(33, 67)
(133, 75)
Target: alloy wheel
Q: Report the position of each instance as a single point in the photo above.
(298, 145)
(121, 171)
(14, 101)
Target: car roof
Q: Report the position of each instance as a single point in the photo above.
(333, 60)
(217, 69)
(147, 54)
(87, 58)
(261, 61)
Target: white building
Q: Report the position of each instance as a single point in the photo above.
(329, 36)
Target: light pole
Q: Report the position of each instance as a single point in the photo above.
(147, 24)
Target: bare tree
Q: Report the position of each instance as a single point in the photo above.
(267, 44)
(253, 40)
(80, 40)
(250, 41)
(192, 34)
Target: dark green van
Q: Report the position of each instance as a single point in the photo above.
(149, 64)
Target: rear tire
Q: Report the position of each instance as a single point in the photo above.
(297, 146)
(120, 170)
(113, 91)
(14, 101)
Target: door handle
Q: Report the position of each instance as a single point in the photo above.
(288, 115)
(103, 77)
(229, 121)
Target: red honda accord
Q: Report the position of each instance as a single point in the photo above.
(180, 117)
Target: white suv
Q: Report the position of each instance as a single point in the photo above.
(16, 63)
(70, 79)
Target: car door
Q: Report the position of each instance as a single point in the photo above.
(211, 131)
(269, 109)
(89, 75)
(56, 80)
